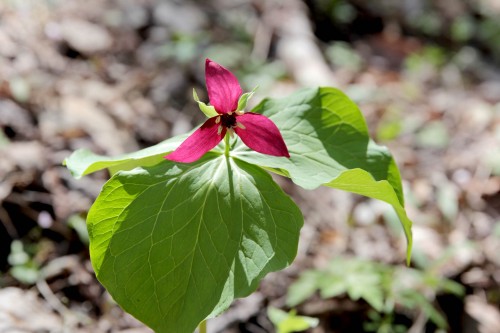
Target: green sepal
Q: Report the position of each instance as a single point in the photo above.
(242, 102)
(208, 110)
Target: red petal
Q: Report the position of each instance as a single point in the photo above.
(198, 143)
(261, 134)
(222, 86)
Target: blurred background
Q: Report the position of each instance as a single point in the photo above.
(114, 76)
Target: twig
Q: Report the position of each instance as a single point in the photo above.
(69, 319)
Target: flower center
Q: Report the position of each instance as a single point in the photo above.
(228, 120)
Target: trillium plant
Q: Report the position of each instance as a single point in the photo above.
(184, 227)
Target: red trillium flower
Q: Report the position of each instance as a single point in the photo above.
(255, 130)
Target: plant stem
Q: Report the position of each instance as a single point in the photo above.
(203, 327)
(226, 141)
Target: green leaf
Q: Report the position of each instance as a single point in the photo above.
(208, 110)
(354, 277)
(358, 278)
(242, 102)
(78, 223)
(433, 135)
(329, 145)
(361, 182)
(27, 274)
(83, 162)
(303, 288)
(176, 243)
(17, 255)
(287, 322)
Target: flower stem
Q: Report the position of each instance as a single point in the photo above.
(226, 142)
(203, 327)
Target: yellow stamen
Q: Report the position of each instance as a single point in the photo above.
(219, 130)
(239, 112)
(217, 120)
(240, 125)
(231, 132)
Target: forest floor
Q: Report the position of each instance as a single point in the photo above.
(116, 76)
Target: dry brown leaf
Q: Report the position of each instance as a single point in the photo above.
(22, 310)
(85, 37)
(487, 315)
